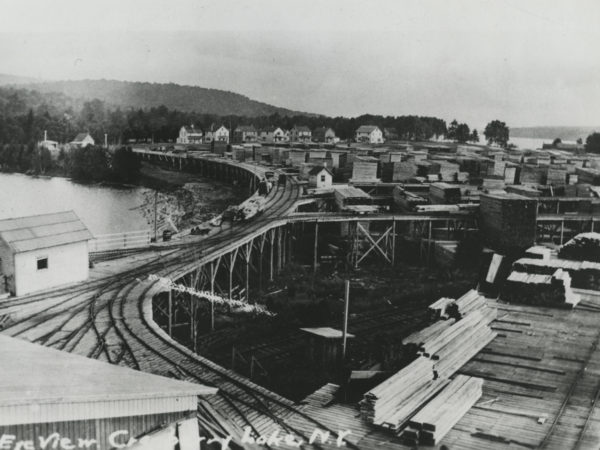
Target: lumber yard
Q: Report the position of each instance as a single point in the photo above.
(511, 361)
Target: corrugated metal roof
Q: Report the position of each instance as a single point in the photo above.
(43, 231)
(56, 385)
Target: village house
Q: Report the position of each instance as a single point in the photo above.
(82, 140)
(190, 135)
(271, 134)
(245, 133)
(369, 134)
(319, 177)
(42, 252)
(300, 134)
(324, 134)
(217, 134)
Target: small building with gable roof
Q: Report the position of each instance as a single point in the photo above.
(319, 177)
(190, 135)
(369, 134)
(82, 140)
(42, 252)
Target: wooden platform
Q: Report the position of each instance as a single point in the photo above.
(541, 380)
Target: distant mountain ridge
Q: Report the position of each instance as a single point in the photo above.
(564, 133)
(129, 94)
(15, 79)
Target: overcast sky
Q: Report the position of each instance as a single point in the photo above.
(526, 62)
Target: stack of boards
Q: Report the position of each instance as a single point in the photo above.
(432, 422)
(583, 247)
(538, 289)
(441, 349)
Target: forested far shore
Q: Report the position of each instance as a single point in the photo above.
(26, 114)
(85, 164)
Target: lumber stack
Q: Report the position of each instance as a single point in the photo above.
(583, 247)
(462, 177)
(588, 175)
(425, 168)
(462, 342)
(406, 200)
(472, 301)
(389, 403)
(448, 170)
(556, 176)
(432, 423)
(539, 289)
(403, 171)
(533, 174)
(511, 174)
(462, 330)
(418, 339)
(444, 193)
(493, 184)
(438, 310)
(508, 221)
(364, 168)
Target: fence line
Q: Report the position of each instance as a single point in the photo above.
(116, 241)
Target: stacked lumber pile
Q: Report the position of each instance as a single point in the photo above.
(394, 401)
(470, 165)
(364, 168)
(418, 339)
(538, 252)
(490, 183)
(538, 289)
(511, 174)
(441, 349)
(584, 274)
(533, 174)
(446, 308)
(508, 221)
(588, 175)
(556, 176)
(444, 193)
(296, 158)
(472, 301)
(426, 168)
(403, 171)
(406, 200)
(439, 309)
(462, 177)
(418, 155)
(525, 190)
(583, 247)
(448, 170)
(432, 423)
(497, 169)
(458, 344)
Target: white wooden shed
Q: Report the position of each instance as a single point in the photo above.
(43, 251)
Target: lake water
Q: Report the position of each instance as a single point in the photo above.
(103, 209)
(526, 143)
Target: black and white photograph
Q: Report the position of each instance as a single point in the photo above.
(299, 224)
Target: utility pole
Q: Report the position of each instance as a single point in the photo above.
(345, 327)
(155, 213)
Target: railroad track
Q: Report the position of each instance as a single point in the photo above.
(104, 319)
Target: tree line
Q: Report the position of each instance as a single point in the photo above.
(25, 114)
(87, 164)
